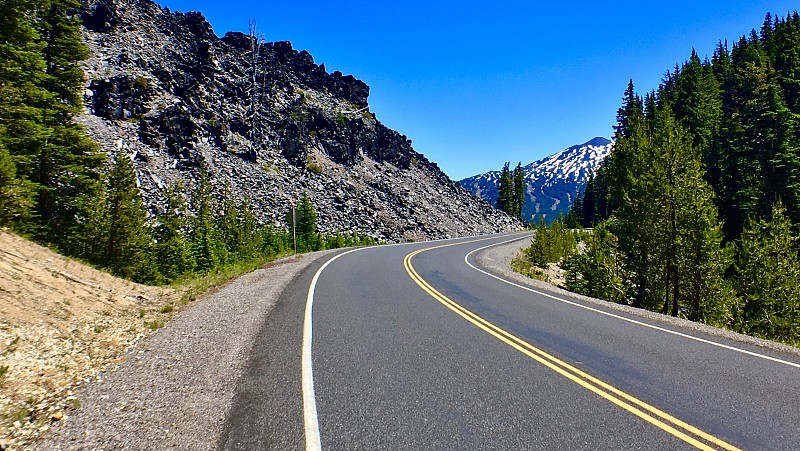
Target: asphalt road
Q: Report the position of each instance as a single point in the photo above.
(422, 351)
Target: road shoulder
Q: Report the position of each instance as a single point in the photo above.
(497, 260)
(174, 388)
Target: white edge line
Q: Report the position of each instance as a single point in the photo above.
(702, 340)
(310, 420)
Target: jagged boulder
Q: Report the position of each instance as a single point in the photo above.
(120, 97)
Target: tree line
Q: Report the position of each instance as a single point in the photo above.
(695, 211)
(179, 244)
(511, 191)
(49, 169)
(59, 189)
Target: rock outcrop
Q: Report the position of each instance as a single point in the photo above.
(268, 127)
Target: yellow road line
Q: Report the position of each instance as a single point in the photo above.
(603, 389)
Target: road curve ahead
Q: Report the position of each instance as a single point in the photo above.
(415, 347)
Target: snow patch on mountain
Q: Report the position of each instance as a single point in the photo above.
(552, 182)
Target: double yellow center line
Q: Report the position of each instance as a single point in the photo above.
(641, 409)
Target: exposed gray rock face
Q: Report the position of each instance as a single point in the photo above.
(163, 88)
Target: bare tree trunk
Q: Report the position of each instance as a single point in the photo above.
(253, 112)
(642, 290)
(676, 293)
(667, 278)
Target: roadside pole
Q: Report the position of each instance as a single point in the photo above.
(292, 217)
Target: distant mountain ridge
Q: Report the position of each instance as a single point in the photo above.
(550, 183)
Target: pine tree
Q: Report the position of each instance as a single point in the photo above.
(124, 235)
(519, 191)
(228, 226)
(40, 92)
(249, 238)
(758, 165)
(587, 212)
(630, 110)
(66, 166)
(698, 102)
(21, 131)
(307, 237)
(598, 272)
(208, 246)
(768, 279)
(783, 45)
(505, 191)
(15, 194)
(634, 220)
(612, 177)
(574, 218)
(173, 248)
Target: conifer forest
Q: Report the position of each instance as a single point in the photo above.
(696, 211)
(57, 188)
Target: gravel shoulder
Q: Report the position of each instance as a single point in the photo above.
(174, 388)
(498, 259)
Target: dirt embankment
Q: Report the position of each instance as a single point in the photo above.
(61, 323)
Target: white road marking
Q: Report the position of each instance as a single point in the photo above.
(313, 442)
(702, 340)
(310, 418)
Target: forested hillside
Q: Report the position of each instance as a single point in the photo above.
(135, 139)
(59, 188)
(697, 208)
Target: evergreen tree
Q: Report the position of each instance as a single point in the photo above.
(228, 226)
(15, 194)
(22, 133)
(758, 165)
(505, 191)
(630, 110)
(612, 176)
(668, 225)
(633, 221)
(768, 279)
(538, 252)
(124, 236)
(598, 272)
(307, 237)
(698, 101)
(574, 218)
(66, 166)
(173, 248)
(40, 92)
(519, 191)
(274, 242)
(717, 139)
(248, 240)
(587, 212)
(781, 39)
(208, 246)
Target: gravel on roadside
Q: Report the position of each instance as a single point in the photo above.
(497, 260)
(174, 388)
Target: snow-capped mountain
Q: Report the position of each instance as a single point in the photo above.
(550, 183)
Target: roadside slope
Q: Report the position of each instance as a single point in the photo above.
(60, 323)
(173, 389)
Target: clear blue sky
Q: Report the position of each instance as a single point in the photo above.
(474, 84)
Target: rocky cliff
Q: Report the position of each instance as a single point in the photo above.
(265, 122)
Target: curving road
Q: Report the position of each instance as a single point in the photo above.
(415, 347)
